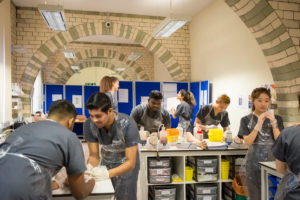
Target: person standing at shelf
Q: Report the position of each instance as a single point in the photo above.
(185, 110)
(286, 153)
(211, 115)
(117, 135)
(35, 152)
(260, 129)
(110, 85)
(151, 115)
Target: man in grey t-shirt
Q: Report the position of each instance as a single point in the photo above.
(118, 136)
(151, 115)
(34, 153)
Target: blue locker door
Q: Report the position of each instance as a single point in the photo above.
(88, 91)
(126, 107)
(51, 92)
(195, 89)
(74, 90)
(142, 89)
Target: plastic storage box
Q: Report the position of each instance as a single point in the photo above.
(204, 188)
(159, 171)
(159, 179)
(204, 161)
(162, 162)
(162, 192)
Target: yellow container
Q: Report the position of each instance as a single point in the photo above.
(215, 135)
(188, 173)
(173, 135)
(225, 167)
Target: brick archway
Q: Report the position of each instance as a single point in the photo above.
(279, 50)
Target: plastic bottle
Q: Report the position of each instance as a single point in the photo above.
(195, 129)
(143, 135)
(180, 129)
(199, 135)
(228, 136)
(163, 136)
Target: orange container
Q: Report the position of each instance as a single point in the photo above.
(173, 135)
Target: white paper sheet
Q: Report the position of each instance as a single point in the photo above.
(201, 97)
(123, 95)
(172, 102)
(76, 100)
(56, 97)
(144, 99)
(205, 97)
(243, 101)
(170, 87)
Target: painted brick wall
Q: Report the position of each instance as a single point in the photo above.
(32, 31)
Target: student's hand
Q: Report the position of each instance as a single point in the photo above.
(55, 186)
(173, 110)
(201, 144)
(260, 121)
(100, 173)
(271, 116)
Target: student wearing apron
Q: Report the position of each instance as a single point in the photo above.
(151, 115)
(260, 129)
(110, 85)
(35, 152)
(185, 110)
(287, 158)
(211, 115)
(118, 136)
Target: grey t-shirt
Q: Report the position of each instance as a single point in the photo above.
(130, 132)
(245, 129)
(139, 110)
(50, 145)
(207, 109)
(185, 111)
(287, 148)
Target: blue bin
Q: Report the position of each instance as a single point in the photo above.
(273, 190)
(274, 180)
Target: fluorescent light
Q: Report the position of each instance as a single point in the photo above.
(170, 25)
(54, 16)
(75, 67)
(69, 54)
(134, 56)
(120, 69)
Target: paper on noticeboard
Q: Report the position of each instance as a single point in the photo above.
(123, 95)
(76, 100)
(170, 87)
(144, 99)
(172, 102)
(56, 97)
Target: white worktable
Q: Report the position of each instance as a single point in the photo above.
(267, 168)
(103, 190)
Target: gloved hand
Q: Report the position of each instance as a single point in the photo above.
(100, 173)
(260, 121)
(89, 168)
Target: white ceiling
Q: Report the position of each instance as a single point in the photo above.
(140, 7)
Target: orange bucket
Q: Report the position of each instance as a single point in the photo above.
(173, 135)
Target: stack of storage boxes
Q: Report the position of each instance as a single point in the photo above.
(162, 192)
(205, 168)
(159, 170)
(202, 191)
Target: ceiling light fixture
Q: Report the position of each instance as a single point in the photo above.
(120, 69)
(69, 54)
(170, 24)
(75, 67)
(54, 16)
(134, 56)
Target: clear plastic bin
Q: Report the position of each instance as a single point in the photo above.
(206, 170)
(206, 177)
(159, 179)
(204, 161)
(192, 195)
(159, 171)
(162, 162)
(163, 191)
(205, 188)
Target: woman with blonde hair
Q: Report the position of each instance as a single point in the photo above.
(185, 110)
(211, 115)
(110, 85)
